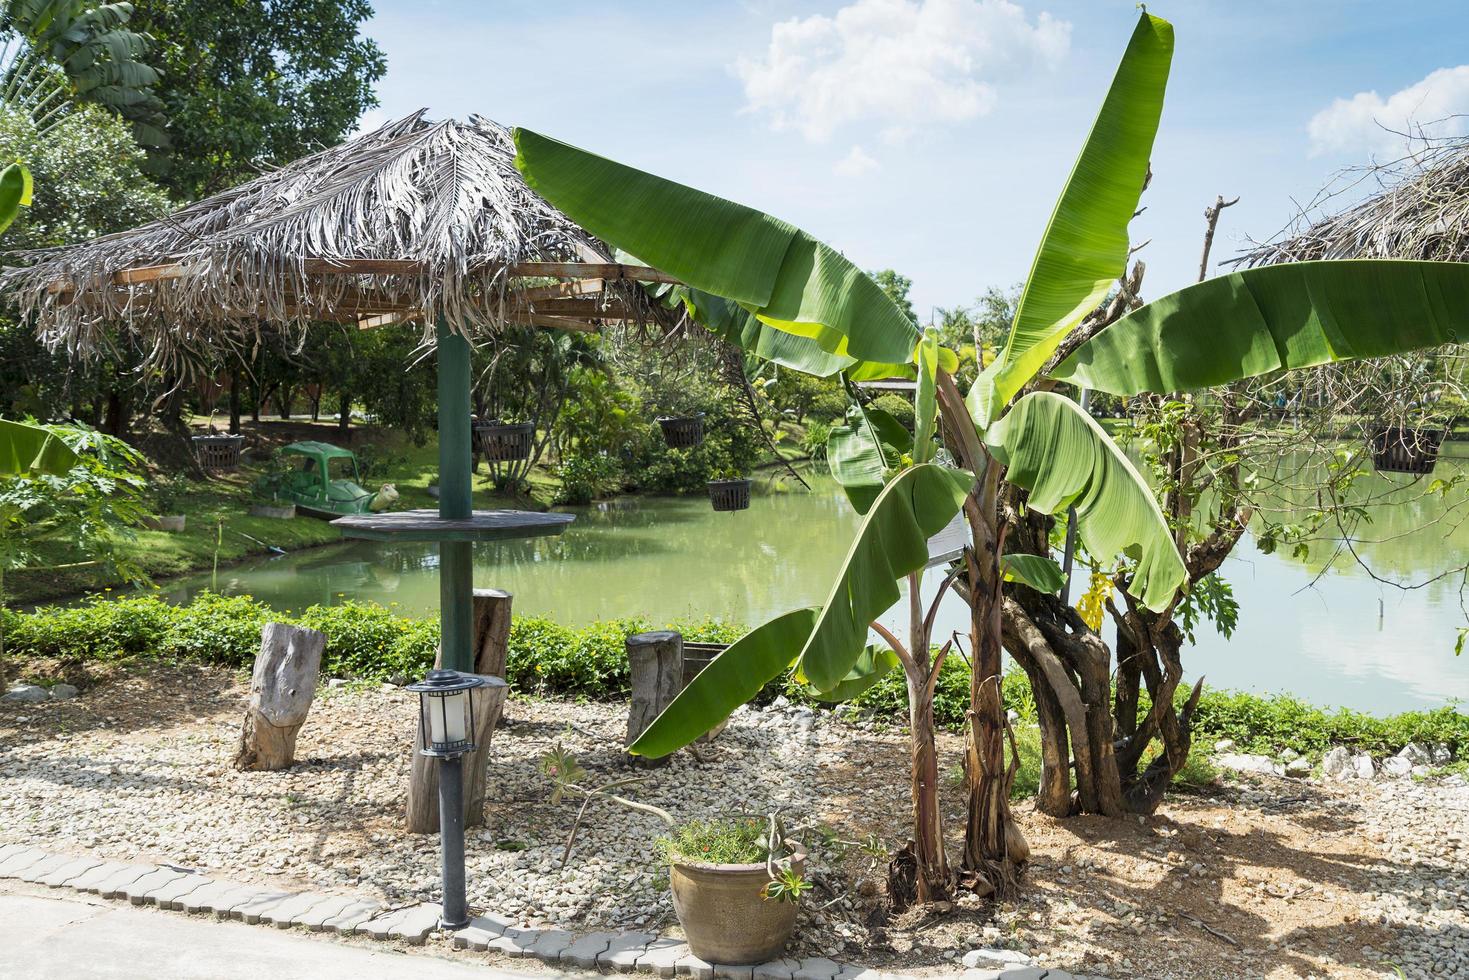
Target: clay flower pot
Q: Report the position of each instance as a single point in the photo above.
(724, 914)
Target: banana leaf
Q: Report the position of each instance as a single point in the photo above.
(1041, 574)
(891, 543)
(15, 192)
(925, 400)
(770, 267)
(872, 665)
(731, 679)
(27, 450)
(1255, 321)
(1084, 249)
(861, 451)
(1057, 452)
(727, 319)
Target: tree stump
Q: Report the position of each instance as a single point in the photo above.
(656, 671)
(491, 645)
(280, 696)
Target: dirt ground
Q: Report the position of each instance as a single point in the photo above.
(1252, 879)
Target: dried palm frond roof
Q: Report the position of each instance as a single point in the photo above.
(414, 220)
(1420, 212)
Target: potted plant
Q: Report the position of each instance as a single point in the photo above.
(682, 431)
(729, 491)
(165, 502)
(736, 881)
(502, 442)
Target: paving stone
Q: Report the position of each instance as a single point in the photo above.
(353, 916)
(730, 971)
(661, 957)
(87, 881)
(74, 868)
(18, 861)
(112, 887)
(329, 907)
(692, 966)
(623, 952)
(224, 902)
(549, 944)
(816, 968)
(137, 892)
(377, 927)
(515, 942)
(166, 895)
(782, 969)
(6, 850)
(283, 916)
(583, 952)
(252, 909)
(40, 869)
(417, 922)
(851, 971)
(480, 931)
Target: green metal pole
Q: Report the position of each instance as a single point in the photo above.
(456, 568)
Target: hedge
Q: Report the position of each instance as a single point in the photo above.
(371, 642)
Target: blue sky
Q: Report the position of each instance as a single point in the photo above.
(932, 136)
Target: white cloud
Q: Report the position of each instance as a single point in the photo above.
(856, 163)
(901, 63)
(1368, 123)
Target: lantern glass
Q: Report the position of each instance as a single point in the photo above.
(448, 721)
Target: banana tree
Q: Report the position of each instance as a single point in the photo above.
(760, 280)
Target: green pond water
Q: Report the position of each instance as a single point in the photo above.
(1339, 638)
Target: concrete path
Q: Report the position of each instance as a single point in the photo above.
(43, 936)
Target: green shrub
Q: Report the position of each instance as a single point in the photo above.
(738, 840)
(367, 640)
(217, 629)
(99, 629)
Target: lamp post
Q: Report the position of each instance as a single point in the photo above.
(446, 730)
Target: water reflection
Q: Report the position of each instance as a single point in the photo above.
(1340, 638)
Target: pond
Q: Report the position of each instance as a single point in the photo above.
(1341, 638)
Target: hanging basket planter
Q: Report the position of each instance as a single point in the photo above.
(501, 442)
(682, 431)
(729, 494)
(1403, 450)
(218, 452)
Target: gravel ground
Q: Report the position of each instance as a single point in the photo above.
(1260, 877)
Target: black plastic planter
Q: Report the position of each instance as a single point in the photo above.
(1404, 450)
(682, 431)
(729, 494)
(218, 452)
(501, 442)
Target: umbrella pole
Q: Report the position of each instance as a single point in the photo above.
(456, 570)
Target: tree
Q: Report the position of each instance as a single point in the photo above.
(1012, 435)
(88, 181)
(248, 83)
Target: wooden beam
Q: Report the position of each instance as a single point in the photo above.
(556, 323)
(578, 287)
(394, 267)
(590, 309)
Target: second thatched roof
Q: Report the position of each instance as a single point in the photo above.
(415, 220)
(1422, 212)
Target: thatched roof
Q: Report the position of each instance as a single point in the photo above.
(1421, 212)
(416, 219)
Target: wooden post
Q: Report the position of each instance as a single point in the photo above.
(491, 644)
(655, 668)
(280, 695)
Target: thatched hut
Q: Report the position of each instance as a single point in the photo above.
(418, 220)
